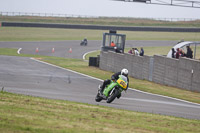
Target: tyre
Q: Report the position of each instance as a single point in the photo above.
(98, 98)
(113, 96)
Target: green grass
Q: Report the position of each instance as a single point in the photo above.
(46, 34)
(51, 34)
(26, 114)
(8, 51)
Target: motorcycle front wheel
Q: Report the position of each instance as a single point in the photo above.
(113, 96)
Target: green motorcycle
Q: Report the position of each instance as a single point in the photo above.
(113, 90)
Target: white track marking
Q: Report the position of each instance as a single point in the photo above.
(18, 51)
(161, 102)
(88, 53)
(102, 81)
(67, 69)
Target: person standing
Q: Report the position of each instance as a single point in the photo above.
(177, 53)
(133, 49)
(136, 51)
(130, 51)
(189, 53)
(141, 51)
(173, 53)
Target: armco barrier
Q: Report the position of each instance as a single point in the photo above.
(182, 73)
(97, 27)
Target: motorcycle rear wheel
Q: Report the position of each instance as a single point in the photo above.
(98, 98)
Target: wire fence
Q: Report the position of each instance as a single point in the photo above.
(87, 16)
(44, 15)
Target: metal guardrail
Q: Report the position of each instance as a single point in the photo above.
(97, 27)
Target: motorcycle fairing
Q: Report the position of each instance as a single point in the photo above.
(109, 88)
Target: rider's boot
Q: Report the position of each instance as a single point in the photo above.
(101, 89)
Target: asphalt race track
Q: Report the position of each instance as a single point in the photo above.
(31, 77)
(62, 47)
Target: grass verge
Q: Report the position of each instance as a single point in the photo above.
(26, 114)
(53, 34)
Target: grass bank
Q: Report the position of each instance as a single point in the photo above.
(19, 113)
(51, 34)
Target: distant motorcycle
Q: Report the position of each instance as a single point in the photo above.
(112, 90)
(83, 43)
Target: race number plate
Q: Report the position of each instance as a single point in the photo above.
(122, 83)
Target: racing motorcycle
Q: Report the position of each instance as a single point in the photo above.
(112, 90)
(83, 43)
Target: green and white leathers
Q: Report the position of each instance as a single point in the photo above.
(113, 90)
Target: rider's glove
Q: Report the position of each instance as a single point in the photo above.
(113, 78)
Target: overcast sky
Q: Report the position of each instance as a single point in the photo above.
(98, 8)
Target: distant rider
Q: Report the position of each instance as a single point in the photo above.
(115, 77)
(85, 41)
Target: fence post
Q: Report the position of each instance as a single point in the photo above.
(151, 63)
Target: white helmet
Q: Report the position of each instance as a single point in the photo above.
(124, 72)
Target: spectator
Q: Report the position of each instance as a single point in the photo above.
(182, 53)
(189, 53)
(177, 53)
(130, 51)
(136, 51)
(133, 50)
(173, 53)
(112, 44)
(141, 51)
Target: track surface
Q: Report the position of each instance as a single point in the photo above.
(27, 76)
(62, 47)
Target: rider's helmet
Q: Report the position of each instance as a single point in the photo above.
(124, 72)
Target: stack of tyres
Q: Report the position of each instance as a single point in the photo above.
(93, 61)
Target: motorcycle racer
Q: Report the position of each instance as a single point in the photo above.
(114, 77)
